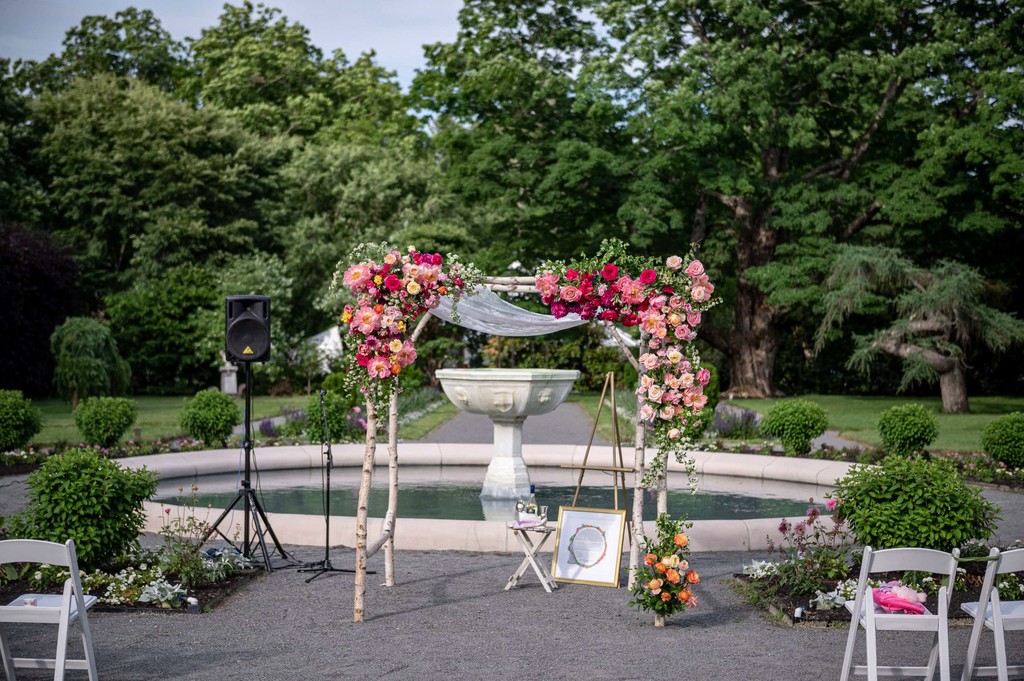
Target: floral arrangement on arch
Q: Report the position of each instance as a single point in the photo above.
(392, 289)
(667, 300)
(664, 583)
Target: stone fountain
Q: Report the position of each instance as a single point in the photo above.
(507, 397)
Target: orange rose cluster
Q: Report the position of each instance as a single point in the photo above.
(665, 582)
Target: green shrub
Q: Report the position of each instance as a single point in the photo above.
(907, 428)
(913, 502)
(342, 418)
(1003, 439)
(796, 423)
(103, 420)
(19, 420)
(81, 495)
(210, 416)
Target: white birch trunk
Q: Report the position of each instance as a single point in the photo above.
(363, 510)
(389, 546)
(638, 498)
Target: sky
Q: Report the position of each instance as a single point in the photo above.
(396, 29)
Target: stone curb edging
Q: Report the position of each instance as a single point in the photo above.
(421, 534)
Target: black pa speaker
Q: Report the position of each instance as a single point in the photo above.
(247, 328)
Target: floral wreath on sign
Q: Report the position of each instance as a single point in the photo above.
(392, 289)
(667, 300)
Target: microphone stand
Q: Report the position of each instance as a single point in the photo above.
(325, 566)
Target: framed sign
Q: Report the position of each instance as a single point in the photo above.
(588, 546)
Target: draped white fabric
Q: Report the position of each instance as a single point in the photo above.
(485, 311)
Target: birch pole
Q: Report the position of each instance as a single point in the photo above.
(638, 475)
(362, 511)
(389, 546)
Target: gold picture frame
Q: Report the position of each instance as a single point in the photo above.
(588, 546)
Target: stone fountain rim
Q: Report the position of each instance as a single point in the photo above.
(491, 373)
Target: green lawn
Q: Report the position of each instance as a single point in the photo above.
(856, 418)
(158, 417)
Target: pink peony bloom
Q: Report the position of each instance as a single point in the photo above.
(365, 320)
(547, 284)
(673, 262)
(406, 353)
(378, 367)
(630, 291)
(695, 269)
(831, 504)
(357, 276)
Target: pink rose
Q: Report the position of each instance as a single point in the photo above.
(570, 294)
(673, 262)
(649, 360)
(695, 268)
(693, 319)
(703, 376)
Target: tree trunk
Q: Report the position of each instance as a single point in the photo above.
(362, 511)
(953, 386)
(389, 547)
(752, 344)
(638, 498)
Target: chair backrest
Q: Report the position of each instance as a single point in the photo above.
(903, 559)
(1011, 561)
(38, 551)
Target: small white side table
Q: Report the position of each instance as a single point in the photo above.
(532, 549)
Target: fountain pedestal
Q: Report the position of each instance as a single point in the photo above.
(507, 397)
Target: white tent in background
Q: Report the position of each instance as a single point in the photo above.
(328, 347)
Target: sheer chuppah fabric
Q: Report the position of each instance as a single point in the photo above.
(485, 311)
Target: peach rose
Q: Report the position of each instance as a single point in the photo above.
(685, 595)
(650, 559)
(666, 596)
(681, 540)
(692, 577)
(672, 576)
(673, 262)
(661, 567)
(655, 586)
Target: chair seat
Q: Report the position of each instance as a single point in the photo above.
(52, 601)
(1012, 611)
(926, 621)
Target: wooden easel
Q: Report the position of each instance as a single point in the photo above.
(618, 471)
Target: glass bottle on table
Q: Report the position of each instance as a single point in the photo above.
(531, 502)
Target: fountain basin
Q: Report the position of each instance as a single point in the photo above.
(507, 394)
(507, 397)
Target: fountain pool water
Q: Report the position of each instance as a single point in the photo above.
(453, 492)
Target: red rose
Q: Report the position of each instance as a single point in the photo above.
(572, 275)
(392, 282)
(648, 276)
(610, 272)
(610, 315)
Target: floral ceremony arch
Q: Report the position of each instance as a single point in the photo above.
(393, 291)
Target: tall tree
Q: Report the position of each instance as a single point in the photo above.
(262, 68)
(534, 152)
(938, 313)
(130, 168)
(783, 128)
(131, 43)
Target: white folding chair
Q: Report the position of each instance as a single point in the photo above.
(62, 610)
(996, 615)
(874, 619)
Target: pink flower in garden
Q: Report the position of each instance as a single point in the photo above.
(693, 318)
(684, 333)
(609, 272)
(695, 269)
(686, 380)
(784, 526)
(674, 355)
(648, 276)
(652, 323)
(547, 284)
(673, 262)
(357, 276)
(167, 510)
(630, 291)
(649, 360)
(646, 381)
(406, 354)
(831, 504)
(365, 320)
(703, 376)
(570, 294)
(676, 302)
(378, 367)
(698, 401)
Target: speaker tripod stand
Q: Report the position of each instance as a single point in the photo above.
(253, 511)
(325, 567)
